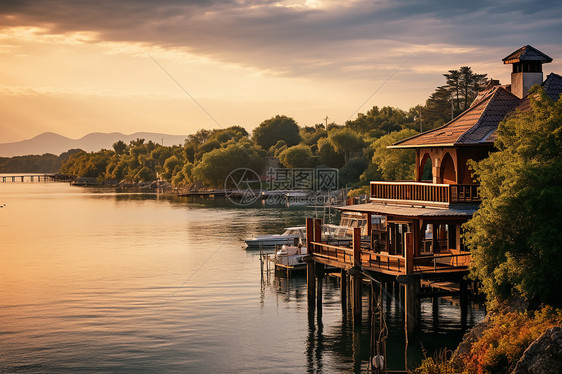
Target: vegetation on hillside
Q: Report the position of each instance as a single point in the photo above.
(515, 234)
(514, 240)
(357, 148)
(503, 341)
(47, 163)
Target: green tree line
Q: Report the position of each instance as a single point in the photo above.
(357, 148)
(46, 163)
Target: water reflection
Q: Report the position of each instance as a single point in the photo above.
(332, 336)
(99, 281)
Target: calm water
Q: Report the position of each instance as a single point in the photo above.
(99, 281)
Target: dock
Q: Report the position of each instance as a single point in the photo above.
(29, 178)
(360, 267)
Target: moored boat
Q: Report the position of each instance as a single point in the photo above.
(291, 236)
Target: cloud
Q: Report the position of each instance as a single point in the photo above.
(302, 38)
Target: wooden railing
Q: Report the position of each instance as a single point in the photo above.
(459, 259)
(332, 252)
(442, 194)
(390, 263)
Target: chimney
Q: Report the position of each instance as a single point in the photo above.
(527, 69)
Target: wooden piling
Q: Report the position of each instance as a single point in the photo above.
(435, 312)
(409, 253)
(464, 302)
(310, 268)
(318, 230)
(343, 290)
(319, 280)
(356, 281)
(412, 307)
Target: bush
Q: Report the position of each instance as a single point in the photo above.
(506, 338)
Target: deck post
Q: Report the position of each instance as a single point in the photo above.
(320, 277)
(310, 268)
(356, 281)
(412, 288)
(356, 301)
(343, 290)
(464, 302)
(318, 230)
(309, 235)
(435, 311)
(412, 309)
(356, 246)
(409, 253)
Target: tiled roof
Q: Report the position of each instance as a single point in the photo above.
(473, 126)
(552, 87)
(526, 53)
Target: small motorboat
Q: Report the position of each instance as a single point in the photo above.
(290, 257)
(291, 236)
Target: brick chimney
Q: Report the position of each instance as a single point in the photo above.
(527, 69)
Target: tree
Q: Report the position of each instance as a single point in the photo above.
(171, 166)
(279, 147)
(514, 236)
(270, 131)
(470, 83)
(297, 156)
(346, 141)
(120, 147)
(394, 164)
(137, 142)
(311, 135)
(328, 155)
(437, 109)
(378, 122)
(454, 84)
(216, 165)
(350, 173)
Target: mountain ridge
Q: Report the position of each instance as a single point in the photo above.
(50, 142)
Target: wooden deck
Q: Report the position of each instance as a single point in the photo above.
(384, 263)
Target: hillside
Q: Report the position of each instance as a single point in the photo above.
(49, 142)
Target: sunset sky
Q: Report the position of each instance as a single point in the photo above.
(75, 67)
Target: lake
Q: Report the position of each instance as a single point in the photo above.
(94, 280)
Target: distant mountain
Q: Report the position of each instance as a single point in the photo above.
(49, 142)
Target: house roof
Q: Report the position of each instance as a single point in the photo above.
(472, 127)
(409, 211)
(526, 53)
(552, 87)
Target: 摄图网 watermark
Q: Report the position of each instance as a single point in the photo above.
(244, 186)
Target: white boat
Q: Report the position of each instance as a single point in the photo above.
(296, 198)
(336, 235)
(290, 257)
(291, 236)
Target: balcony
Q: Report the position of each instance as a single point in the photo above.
(424, 193)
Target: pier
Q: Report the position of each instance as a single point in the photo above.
(360, 269)
(28, 178)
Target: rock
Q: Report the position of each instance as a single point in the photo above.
(544, 355)
(469, 338)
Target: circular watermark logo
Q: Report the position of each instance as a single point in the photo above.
(242, 186)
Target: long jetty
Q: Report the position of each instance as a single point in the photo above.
(23, 178)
